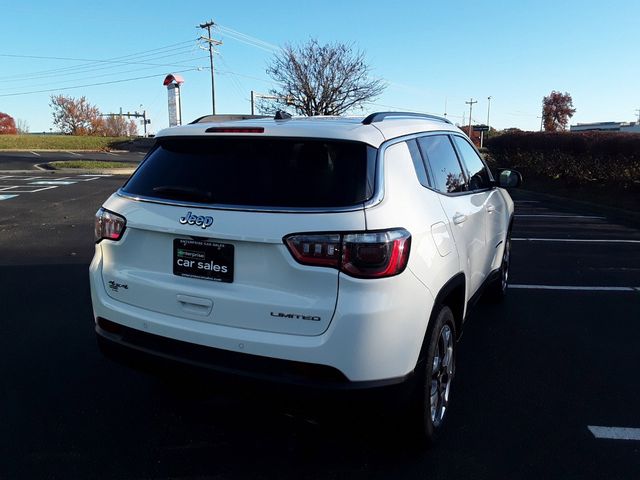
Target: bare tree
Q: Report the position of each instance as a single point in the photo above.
(118, 126)
(22, 126)
(76, 116)
(132, 129)
(316, 79)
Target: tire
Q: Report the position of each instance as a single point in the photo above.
(432, 396)
(497, 290)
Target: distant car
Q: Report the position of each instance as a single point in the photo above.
(328, 252)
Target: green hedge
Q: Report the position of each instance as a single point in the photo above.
(575, 158)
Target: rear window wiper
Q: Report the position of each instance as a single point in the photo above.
(184, 193)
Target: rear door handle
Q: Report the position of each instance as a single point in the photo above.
(459, 218)
(491, 208)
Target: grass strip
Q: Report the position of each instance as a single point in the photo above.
(57, 142)
(91, 164)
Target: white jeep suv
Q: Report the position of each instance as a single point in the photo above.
(327, 252)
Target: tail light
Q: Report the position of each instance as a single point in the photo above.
(363, 255)
(109, 225)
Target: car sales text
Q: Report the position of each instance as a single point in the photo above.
(202, 265)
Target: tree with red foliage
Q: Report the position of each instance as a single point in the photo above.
(557, 109)
(7, 125)
(76, 116)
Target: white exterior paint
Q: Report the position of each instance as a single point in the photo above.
(369, 329)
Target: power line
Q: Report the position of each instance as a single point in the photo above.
(248, 39)
(119, 62)
(92, 62)
(234, 79)
(92, 84)
(69, 71)
(101, 75)
(223, 72)
(109, 69)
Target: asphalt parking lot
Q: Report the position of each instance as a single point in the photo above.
(545, 380)
(25, 160)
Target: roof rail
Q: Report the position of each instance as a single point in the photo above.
(379, 116)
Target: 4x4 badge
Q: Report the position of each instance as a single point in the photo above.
(199, 220)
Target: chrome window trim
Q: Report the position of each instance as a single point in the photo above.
(238, 208)
(416, 136)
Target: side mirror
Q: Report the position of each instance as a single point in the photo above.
(509, 179)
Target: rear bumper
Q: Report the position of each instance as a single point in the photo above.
(163, 356)
(374, 338)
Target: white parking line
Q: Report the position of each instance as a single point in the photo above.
(113, 154)
(577, 288)
(615, 433)
(96, 175)
(7, 197)
(576, 240)
(73, 153)
(36, 154)
(542, 215)
(12, 188)
(52, 182)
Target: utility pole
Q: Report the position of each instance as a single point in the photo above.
(470, 103)
(638, 110)
(211, 43)
(482, 132)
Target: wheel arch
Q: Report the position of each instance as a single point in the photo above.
(452, 294)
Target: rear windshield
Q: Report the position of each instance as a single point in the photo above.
(263, 172)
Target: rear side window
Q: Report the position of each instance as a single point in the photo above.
(258, 172)
(479, 176)
(447, 172)
(418, 164)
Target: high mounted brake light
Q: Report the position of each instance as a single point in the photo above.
(235, 130)
(108, 225)
(362, 255)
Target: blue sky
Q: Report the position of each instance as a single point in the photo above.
(429, 52)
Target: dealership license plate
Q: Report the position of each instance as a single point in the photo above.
(205, 260)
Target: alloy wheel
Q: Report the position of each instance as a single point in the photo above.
(442, 371)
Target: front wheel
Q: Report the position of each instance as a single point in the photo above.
(432, 397)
